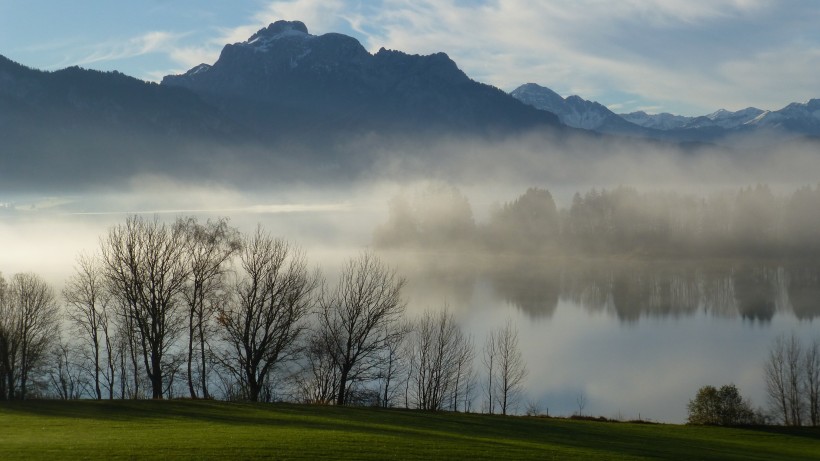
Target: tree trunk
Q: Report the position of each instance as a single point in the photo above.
(191, 354)
(204, 375)
(156, 377)
(341, 399)
(97, 368)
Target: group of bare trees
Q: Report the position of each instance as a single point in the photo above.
(440, 372)
(506, 369)
(186, 308)
(792, 372)
(28, 325)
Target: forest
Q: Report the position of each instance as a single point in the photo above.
(747, 223)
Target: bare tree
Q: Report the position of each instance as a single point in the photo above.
(6, 341)
(394, 366)
(65, 373)
(581, 401)
(88, 301)
(127, 345)
(354, 319)
(440, 353)
(464, 373)
(783, 379)
(318, 381)
(145, 263)
(510, 369)
(28, 325)
(210, 247)
(262, 325)
(490, 358)
(811, 368)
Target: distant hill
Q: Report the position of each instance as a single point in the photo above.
(76, 125)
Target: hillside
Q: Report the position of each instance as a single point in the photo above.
(214, 430)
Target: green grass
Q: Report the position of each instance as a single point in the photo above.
(217, 430)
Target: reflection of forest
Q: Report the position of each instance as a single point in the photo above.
(631, 290)
(628, 289)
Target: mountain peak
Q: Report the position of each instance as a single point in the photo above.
(573, 110)
(332, 80)
(279, 29)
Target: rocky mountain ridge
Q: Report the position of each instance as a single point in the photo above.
(799, 119)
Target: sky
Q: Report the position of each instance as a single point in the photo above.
(688, 57)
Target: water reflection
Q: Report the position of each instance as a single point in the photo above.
(631, 290)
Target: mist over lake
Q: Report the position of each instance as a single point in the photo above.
(632, 334)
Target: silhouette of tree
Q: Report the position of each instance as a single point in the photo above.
(355, 319)
(29, 319)
(89, 308)
(783, 374)
(441, 357)
(145, 262)
(264, 320)
(506, 369)
(724, 407)
(209, 247)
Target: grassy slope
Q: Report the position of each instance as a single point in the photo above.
(214, 430)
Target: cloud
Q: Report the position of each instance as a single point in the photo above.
(320, 16)
(678, 54)
(150, 42)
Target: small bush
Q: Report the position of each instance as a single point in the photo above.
(720, 407)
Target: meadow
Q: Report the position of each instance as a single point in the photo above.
(219, 430)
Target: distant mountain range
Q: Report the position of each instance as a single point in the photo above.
(795, 119)
(286, 103)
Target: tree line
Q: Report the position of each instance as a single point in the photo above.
(199, 310)
(751, 221)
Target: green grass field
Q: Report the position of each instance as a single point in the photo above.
(215, 430)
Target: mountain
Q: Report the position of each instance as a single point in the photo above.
(730, 120)
(662, 121)
(292, 106)
(289, 79)
(574, 111)
(801, 119)
(283, 104)
(720, 119)
(796, 117)
(75, 124)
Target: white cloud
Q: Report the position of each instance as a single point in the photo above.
(661, 52)
(320, 16)
(150, 42)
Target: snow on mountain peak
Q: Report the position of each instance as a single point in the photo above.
(278, 30)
